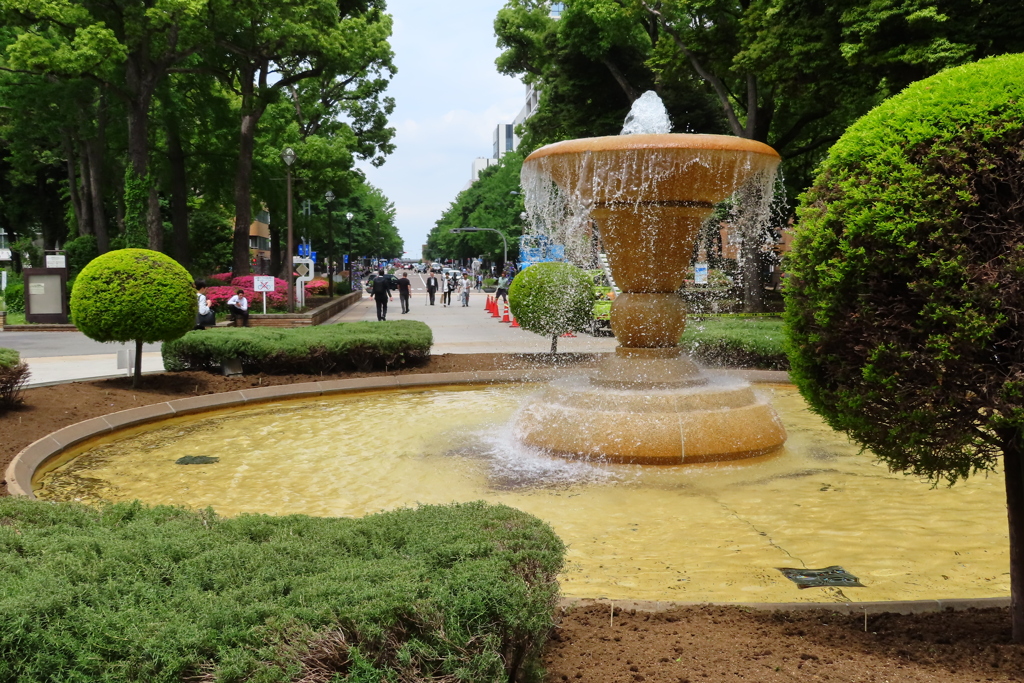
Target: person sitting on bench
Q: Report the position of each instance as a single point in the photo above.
(239, 307)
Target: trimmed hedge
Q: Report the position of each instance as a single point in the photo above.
(133, 295)
(131, 593)
(741, 342)
(14, 297)
(552, 299)
(904, 293)
(361, 346)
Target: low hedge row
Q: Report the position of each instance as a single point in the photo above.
(131, 593)
(13, 375)
(758, 342)
(359, 346)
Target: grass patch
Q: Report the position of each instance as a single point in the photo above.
(733, 341)
(131, 593)
(359, 346)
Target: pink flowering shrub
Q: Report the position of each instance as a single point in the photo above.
(220, 277)
(316, 287)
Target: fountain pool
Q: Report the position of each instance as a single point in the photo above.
(712, 532)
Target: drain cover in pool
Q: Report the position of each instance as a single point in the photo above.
(815, 578)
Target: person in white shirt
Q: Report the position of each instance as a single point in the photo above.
(466, 287)
(239, 307)
(205, 316)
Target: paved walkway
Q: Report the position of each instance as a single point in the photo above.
(55, 357)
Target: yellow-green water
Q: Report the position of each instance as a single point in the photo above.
(695, 533)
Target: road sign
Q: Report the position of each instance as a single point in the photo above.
(346, 259)
(263, 283)
(302, 270)
(700, 274)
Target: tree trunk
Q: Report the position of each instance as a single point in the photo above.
(1013, 470)
(89, 214)
(138, 364)
(94, 156)
(141, 89)
(252, 110)
(554, 344)
(753, 287)
(76, 202)
(179, 193)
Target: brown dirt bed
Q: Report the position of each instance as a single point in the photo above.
(684, 645)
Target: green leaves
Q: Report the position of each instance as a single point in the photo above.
(903, 294)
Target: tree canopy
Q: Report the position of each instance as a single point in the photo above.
(144, 122)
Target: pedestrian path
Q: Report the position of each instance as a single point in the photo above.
(471, 329)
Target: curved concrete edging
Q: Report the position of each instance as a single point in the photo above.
(874, 607)
(21, 470)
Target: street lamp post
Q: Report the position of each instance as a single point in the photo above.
(329, 196)
(349, 216)
(288, 156)
(504, 242)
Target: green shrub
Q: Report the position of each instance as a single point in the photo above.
(342, 288)
(130, 593)
(14, 297)
(80, 251)
(313, 350)
(9, 358)
(13, 375)
(741, 342)
(134, 295)
(552, 299)
(905, 284)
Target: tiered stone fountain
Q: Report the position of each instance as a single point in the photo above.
(648, 195)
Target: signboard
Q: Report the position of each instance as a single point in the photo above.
(5, 254)
(263, 283)
(304, 267)
(56, 261)
(700, 274)
(346, 259)
(302, 270)
(37, 288)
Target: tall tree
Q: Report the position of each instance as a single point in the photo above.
(127, 45)
(267, 47)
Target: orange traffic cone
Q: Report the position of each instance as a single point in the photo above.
(494, 309)
(515, 323)
(505, 318)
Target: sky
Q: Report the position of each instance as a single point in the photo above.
(449, 98)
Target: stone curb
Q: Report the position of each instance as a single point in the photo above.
(877, 607)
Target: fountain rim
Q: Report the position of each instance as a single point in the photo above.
(653, 141)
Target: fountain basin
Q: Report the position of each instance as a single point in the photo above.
(690, 533)
(698, 424)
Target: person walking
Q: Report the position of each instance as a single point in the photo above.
(431, 286)
(239, 307)
(404, 291)
(449, 287)
(502, 291)
(381, 294)
(466, 287)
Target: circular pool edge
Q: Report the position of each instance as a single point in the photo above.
(23, 467)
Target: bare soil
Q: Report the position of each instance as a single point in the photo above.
(683, 645)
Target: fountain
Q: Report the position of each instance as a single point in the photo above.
(648, 194)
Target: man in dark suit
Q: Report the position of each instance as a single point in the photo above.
(431, 286)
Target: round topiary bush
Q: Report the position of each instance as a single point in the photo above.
(552, 299)
(905, 295)
(134, 295)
